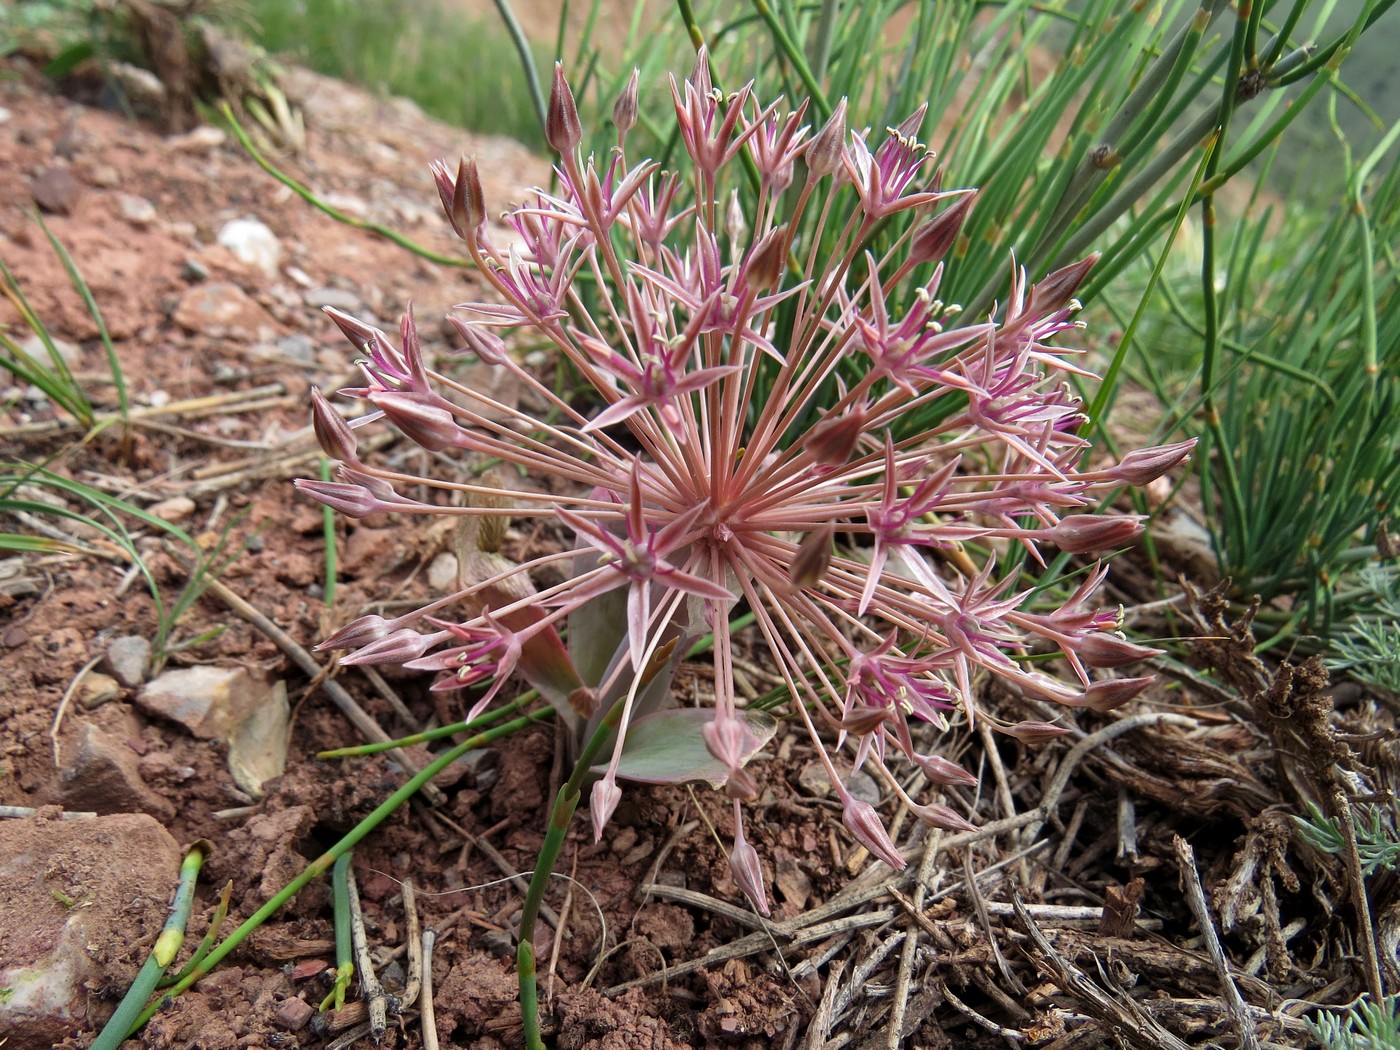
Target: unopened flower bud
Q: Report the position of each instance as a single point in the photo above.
(602, 804)
(1144, 465)
(862, 719)
(1112, 693)
(421, 417)
(488, 347)
(1054, 293)
(1105, 649)
(352, 500)
(700, 75)
(462, 197)
(333, 434)
(813, 558)
(824, 152)
(740, 785)
(744, 866)
(625, 108)
(941, 771)
(730, 740)
(1083, 533)
(833, 438)
(1032, 733)
(864, 824)
(394, 648)
(935, 238)
(562, 129)
(357, 633)
(768, 260)
(945, 817)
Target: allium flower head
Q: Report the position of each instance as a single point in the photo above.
(741, 437)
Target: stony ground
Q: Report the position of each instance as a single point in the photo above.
(210, 276)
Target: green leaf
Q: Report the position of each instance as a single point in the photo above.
(668, 747)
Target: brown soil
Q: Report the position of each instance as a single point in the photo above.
(656, 949)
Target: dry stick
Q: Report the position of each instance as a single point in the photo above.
(1366, 930)
(894, 1036)
(972, 1015)
(1196, 900)
(1060, 781)
(1127, 1022)
(370, 987)
(333, 689)
(430, 1039)
(819, 1028)
(190, 408)
(414, 946)
(63, 706)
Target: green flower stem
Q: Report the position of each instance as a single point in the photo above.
(794, 55)
(565, 804)
(318, 867)
(344, 951)
(310, 197)
(429, 735)
(167, 946)
(210, 936)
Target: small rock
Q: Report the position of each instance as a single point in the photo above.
(136, 210)
(176, 508)
(442, 573)
(208, 701)
(253, 244)
(257, 750)
(78, 895)
(194, 271)
(105, 176)
(791, 881)
(55, 191)
(34, 349)
(298, 347)
(205, 137)
(104, 776)
(292, 1014)
(299, 276)
(4, 115)
(340, 298)
(814, 782)
(96, 690)
(218, 308)
(351, 205)
(129, 658)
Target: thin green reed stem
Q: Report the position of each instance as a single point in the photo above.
(692, 27)
(352, 837)
(163, 953)
(527, 60)
(821, 46)
(565, 804)
(794, 55)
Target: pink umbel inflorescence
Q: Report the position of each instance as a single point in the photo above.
(744, 441)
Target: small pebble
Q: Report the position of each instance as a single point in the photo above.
(105, 176)
(129, 658)
(340, 298)
(194, 271)
(292, 1014)
(442, 572)
(136, 210)
(55, 191)
(252, 243)
(96, 690)
(176, 508)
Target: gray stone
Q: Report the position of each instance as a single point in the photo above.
(129, 658)
(208, 701)
(103, 775)
(257, 750)
(136, 210)
(442, 572)
(34, 349)
(340, 298)
(253, 244)
(298, 347)
(76, 898)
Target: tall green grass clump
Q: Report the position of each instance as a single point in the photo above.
(459, 69)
